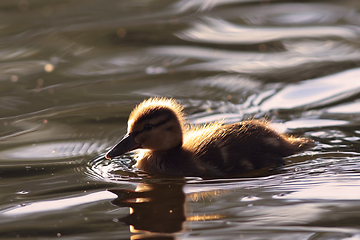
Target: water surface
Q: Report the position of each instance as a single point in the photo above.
(73, 70)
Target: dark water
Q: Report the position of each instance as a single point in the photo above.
(71, 71)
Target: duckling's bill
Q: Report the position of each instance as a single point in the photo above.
(126, 144)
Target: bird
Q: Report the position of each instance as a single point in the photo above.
(168, 145)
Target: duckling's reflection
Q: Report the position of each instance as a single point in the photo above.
(155, 208)
(158, 209)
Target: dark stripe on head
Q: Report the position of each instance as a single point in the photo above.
(155, 112)
(169, 117)
(163, 121)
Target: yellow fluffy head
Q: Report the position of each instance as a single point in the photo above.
(156, 105)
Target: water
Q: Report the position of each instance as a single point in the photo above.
(71, 71)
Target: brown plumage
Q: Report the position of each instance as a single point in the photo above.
(211, 150)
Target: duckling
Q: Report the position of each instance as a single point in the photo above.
(211, 150)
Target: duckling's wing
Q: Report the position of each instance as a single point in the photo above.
(243, 147)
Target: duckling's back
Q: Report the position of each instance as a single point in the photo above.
(225, 150)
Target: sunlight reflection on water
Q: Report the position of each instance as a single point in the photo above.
(334, 190)
(51, 151)
(220, 31)
(56, 205)
(316, 91)
(346, 108)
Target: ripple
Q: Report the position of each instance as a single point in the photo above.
(115, 170)
(333, 189)
(59, 204)
(313, 123)
(202, 5)
(312, 55)
(297, 14)
(16, 54)
(316, 92)
(212, 30)
(51, 151)
(228, 83)
(249, 199)
(21, 68)
(132, 62)
(353, 107)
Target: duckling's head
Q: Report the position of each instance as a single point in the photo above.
(155, 124)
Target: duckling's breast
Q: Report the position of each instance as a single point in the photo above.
(175, 162)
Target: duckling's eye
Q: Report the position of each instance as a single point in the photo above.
(148, 127)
